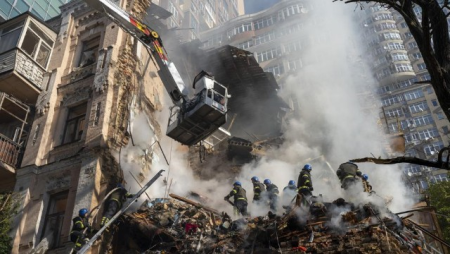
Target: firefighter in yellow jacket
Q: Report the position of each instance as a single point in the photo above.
(115, 203)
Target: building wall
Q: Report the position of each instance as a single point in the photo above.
(192, 17)
(98, 75)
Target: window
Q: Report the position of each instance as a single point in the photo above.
(269, 54)
(75, 124)
(412, 45)
(423, 120)
(295, 64)
(417, 56)
(290, 29)
(425, 77)
(276, 70)
(414, 94)
(408, 35)
(428, 133)
(440, 115)
(264, 22)
(9, 36)
(54, 219)
(430, 90)
(445, 130)
(441, 178)
(289, 11)
(418, 107)
(390, 100)
(399, 56)
(403, 67)
(394, 112)
(37, 45)
(245, 44)
(393, 127)
(89, 52)
(403, 25)
(433, 148)
(434, 102)
(421, 66)
(264, 38)
(292, 47)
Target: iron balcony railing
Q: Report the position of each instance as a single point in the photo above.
(10, 151)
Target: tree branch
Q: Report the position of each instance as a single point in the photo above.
(412, 160)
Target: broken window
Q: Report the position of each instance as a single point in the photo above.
(54, 219)
(89, 52)
(37, 45)
(75, 124)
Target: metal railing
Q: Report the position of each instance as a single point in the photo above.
(9, 151)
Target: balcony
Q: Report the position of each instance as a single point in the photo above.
(25, 50)
(14, 121)
(20, 76)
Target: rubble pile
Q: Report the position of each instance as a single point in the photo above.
(172, 226)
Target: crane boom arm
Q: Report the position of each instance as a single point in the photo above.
(168, 73)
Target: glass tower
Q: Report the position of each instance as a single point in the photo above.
(43, 9)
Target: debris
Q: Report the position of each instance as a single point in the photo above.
(180, 225)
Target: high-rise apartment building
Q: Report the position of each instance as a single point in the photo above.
(408, 102)
(190, 17)
(43, 9)
(272, 35)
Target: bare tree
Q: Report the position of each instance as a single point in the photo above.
(431, 36)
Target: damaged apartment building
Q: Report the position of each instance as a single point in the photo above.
(67, 89)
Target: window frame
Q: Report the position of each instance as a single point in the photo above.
(77, 121)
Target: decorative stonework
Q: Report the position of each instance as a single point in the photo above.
(29, 69)
(89, 18)
(101, 74)
(78, 95)
(58, 182)
(79, 73)
(43, 104)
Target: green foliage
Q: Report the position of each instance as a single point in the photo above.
(440, 198)
(8, 208)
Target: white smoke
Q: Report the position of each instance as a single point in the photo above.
(332, 126)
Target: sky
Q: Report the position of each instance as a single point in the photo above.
(331, 125)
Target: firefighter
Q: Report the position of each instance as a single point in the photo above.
(272, 194)
(79, 228)
(304, 184)
(348, 173)
(366, 184)
(258, 189)
(240, 198)
(114, 203)
(289, 193)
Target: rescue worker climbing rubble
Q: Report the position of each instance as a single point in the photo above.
(304, 183)
(289, 193)
(114, 203)
(272, 194)
(240, 198)
(258, 189)
(348, 173)
(80, 228)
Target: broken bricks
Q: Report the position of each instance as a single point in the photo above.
(185, 226)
